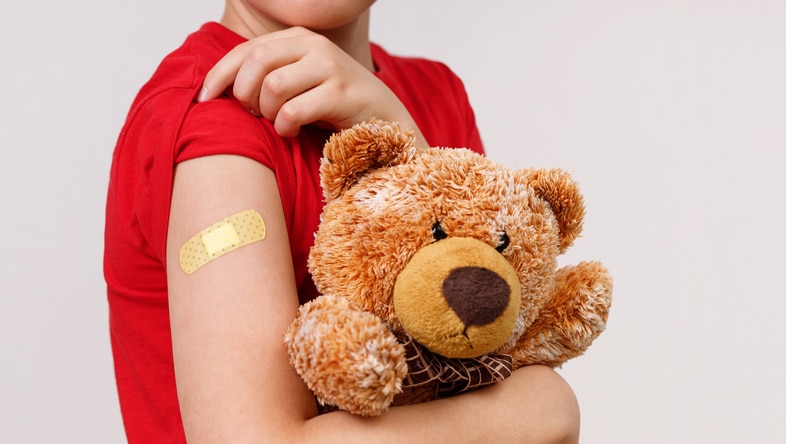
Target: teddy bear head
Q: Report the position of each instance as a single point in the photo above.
(444, 245)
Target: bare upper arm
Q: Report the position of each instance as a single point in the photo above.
(228, 317)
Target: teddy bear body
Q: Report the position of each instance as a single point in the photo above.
(430, 262)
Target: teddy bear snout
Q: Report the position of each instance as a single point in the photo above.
(458, 297)
(477, 295)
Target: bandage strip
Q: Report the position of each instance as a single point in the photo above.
(220, 238)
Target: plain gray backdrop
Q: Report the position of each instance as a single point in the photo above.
(670, 114)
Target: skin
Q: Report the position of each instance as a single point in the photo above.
(234, 380)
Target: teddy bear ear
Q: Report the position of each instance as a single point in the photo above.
(354, 152)
(556, 187)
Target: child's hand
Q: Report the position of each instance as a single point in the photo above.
(296, 77)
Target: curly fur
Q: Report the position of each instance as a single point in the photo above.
(384, 199)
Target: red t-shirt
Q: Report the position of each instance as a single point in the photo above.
(166, 126)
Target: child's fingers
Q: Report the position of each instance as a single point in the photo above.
(224, 73)
(254, 73)
(301, 110)
(324, 103)
(282, 85)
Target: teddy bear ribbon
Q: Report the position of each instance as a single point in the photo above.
(454, 375)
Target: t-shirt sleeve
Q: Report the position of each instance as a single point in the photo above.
(222, 126)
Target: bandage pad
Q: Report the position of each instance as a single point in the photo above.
(220, 238)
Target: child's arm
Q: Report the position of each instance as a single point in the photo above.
(234, 380)
(296, 77)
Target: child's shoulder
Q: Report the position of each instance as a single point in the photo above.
(186, 66)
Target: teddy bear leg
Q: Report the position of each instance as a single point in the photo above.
(574, 316)
(346, 356)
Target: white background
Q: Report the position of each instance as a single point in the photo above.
(671, 114)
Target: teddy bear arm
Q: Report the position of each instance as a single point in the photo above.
(346, 357)
(574, 316)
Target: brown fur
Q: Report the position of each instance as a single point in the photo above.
(386, 202)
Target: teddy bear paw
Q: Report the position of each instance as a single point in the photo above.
(346, 357)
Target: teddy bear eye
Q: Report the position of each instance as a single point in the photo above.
(504, 241)
(438, 232)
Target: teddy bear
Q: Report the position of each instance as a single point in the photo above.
(437, 272)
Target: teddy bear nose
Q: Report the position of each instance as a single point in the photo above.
(476, 294)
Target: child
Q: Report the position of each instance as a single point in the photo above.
(199, 353)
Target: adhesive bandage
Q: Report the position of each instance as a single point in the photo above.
(220, 238)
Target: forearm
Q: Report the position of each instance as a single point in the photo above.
(535, 405)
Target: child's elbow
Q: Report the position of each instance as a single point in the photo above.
(565, 420)
(556, 412)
